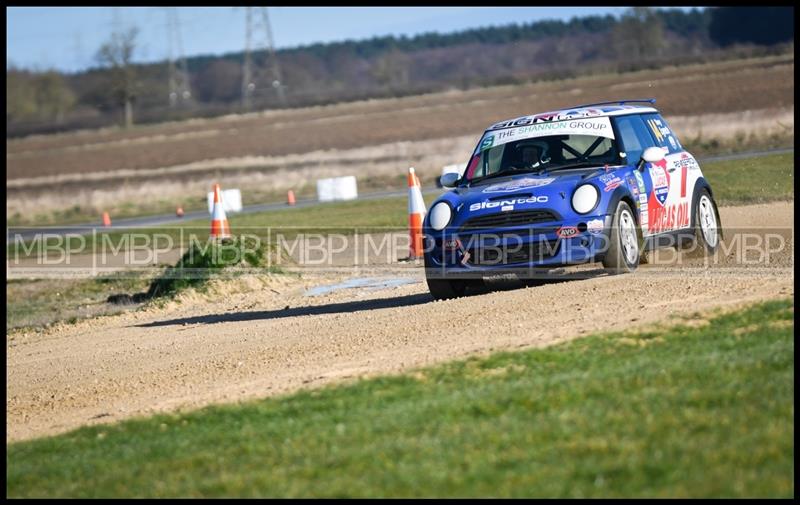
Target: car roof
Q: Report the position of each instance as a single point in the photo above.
(599, 110)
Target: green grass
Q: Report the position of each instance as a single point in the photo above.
(751, 180)
(688, 411)
(340, 217)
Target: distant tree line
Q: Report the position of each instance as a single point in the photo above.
(119, 91)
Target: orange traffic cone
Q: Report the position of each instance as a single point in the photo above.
(219, 222)
(290, 198)
(416, 213)
(106, 219)
(179, 211)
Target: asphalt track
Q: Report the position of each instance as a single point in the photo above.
(24, 234)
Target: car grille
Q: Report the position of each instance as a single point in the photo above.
(506, 219)
(531, 252)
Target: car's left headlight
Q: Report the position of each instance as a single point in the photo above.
(585, 198)
(440, 216)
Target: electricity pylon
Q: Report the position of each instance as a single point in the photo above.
(179, 87)
(253, 79)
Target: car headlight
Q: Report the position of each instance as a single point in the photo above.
(585, 198)
(440, 216)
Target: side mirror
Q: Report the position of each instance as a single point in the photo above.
(651, 155)
(449, 180)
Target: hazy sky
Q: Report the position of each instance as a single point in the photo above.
(67, 38)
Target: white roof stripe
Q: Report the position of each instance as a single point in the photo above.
(623, 110)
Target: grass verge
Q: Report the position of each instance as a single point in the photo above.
(36, 303)
(701, 410)
(751, 180)
(202, 263)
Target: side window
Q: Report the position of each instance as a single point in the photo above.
(634, 136)
(662, 133)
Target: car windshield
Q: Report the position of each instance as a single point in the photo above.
(538, 148)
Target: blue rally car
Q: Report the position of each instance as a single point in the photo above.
(598, 182)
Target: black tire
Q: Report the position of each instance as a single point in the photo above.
(616, 261)
(704, 214)
(443, 289)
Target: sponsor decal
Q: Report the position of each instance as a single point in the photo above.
(643, 199)
(506, 208)
(686, 161)
(507, 203)
(595, 226)
(597, 126)
(632, 186)
(451, 244)
(669, 218)
(660, 130)
(611, 181)
(567, 231)
(518, 184)
(672, 142)
(660, 178)
(651, 123)
(639, 181)
(547, 117)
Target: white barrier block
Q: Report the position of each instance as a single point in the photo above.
(337, 188)
(231, 200)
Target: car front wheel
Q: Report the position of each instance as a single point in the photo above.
(707, 232)
(624, 248)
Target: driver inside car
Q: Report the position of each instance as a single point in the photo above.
(532, 155)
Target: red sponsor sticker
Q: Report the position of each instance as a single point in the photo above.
(567, 231)
(683, 181)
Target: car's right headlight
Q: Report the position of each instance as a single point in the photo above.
(585, 198)
(440, 216)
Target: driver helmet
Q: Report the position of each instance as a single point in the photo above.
(534, 153)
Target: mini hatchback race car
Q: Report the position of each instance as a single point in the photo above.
(598, 182)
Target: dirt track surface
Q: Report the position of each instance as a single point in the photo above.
(274, 339)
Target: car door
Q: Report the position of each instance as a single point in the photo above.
(634, 139)
(680, 170)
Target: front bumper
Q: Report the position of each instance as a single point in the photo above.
(513, 250)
